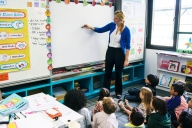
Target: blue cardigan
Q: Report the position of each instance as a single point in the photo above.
(125, 35)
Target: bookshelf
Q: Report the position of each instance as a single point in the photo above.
(167, 56)
(135, 73)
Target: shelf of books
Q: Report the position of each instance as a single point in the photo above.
(172, 66)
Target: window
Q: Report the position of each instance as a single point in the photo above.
(169, 19)
(162, 26)
(185, 28)
(162, 17)
(186, 16)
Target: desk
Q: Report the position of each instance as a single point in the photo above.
(34, 118)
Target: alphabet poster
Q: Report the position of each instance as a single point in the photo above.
(14, 40)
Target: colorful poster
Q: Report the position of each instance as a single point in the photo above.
(14, 40)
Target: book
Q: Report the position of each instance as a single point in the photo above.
(188, 85)
(188, 69)
(173, 80)
(165, 80)
(59, 92)
(13, 104)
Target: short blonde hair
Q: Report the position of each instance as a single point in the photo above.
(109, 105)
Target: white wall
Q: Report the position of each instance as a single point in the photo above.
(150, 61)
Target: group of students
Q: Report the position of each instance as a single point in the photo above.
(152, 112)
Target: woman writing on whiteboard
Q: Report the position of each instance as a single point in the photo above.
(118, 50)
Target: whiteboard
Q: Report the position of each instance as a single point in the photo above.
(37, 41)
(135, 13)
(73, 45)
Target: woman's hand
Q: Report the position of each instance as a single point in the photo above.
(87, 26)
(126, 62)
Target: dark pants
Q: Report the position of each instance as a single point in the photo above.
(114, 56)
(133, 95)
(173, 119)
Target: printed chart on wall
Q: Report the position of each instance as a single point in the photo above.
(14, 45)
(134, 11)
(23, 46)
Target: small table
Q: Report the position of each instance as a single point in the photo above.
(40, 116)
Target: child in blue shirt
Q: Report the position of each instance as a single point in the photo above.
(176, 102)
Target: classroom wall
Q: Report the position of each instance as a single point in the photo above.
(151, 61)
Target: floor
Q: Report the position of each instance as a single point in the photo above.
(122, 118)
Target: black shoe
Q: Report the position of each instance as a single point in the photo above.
(118, 96)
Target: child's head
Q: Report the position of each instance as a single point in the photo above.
(109, 105)
(136, 117)
(103, 93)
(146, 96)
(177, 88)
(185, 119)
(152, 80)
(158, 104)
(75, 99)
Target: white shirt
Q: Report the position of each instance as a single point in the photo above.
(103, 120)
(87, 117)
(115, 39)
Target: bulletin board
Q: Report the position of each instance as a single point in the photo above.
(135, 12)
(23, 46)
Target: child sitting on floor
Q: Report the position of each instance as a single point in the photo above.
(98, 106)
(106, 118)
(151, 82)
(176, 103)
(146, 96)
(76, 100)
(136, 119)
(159, 118)
(185, 120)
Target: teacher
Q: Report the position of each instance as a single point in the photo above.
(118, 50)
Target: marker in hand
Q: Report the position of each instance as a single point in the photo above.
(85, 26)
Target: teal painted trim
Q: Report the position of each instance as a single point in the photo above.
(26, 93)
(127, 82)
(51, 90)
(137, 79)
(91, 85)
(23, 89)
(112, 87)
(96, 90)
(138, 65)
(86, 81)
(73, 85)
(61, 81)
(76, 78)
(61, 101)
(88, 93)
